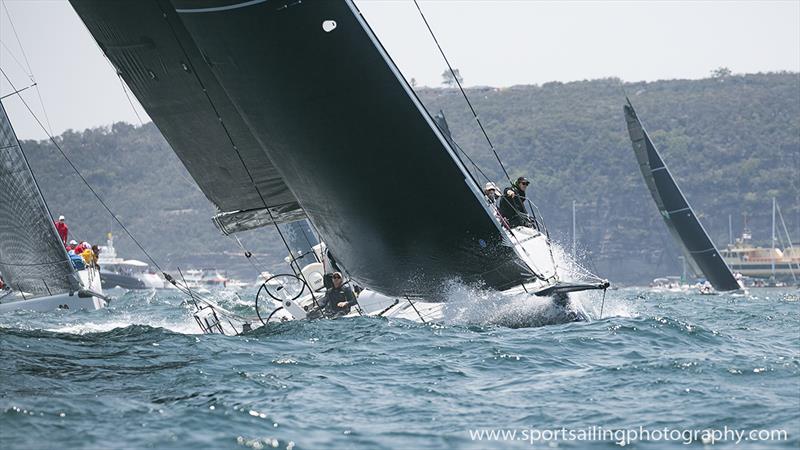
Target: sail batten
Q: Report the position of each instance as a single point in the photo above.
(682, 222)
(33, 259)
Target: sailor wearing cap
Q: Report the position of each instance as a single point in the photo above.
(512, 204)
(63, 230)
(491, 192)
(339, 299)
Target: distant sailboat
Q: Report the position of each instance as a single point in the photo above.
(33, 260)
(701, 254)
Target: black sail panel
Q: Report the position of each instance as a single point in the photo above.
(678, 215)
(351, 140)
(150, 48)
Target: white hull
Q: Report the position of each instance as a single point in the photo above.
(152, 281)
(90, 278)
(53, 302)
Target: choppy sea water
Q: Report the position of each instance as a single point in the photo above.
(138, 375)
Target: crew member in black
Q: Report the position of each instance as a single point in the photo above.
(339, 299)
(512, 204)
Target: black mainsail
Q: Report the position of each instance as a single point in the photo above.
(152, 52)
(33, 259)
(681, 220)
(346, 134)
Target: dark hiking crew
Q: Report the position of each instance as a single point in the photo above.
(512, 205)
(338, 299)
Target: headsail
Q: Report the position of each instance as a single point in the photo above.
(680, 219)
(149, 46)
(33, 259)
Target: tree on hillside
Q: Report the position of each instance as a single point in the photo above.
(413, 82)
(721, 72)
(449, 80)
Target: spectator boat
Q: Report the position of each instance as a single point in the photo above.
(123, 273)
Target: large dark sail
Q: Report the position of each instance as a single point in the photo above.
(353, 143)
(149, 46)
(678, 215)
(33, 259)
(342, 127)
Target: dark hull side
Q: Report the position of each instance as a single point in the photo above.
(678, 215)
(353, 144)
(111, 280)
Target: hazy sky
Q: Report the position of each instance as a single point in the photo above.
(496, 43)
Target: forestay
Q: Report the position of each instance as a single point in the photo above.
(33, 259)
(681, 220)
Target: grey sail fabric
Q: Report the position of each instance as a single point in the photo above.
(233, 222)
(373, 173)
(682, 222)
(167, 73)
(32, 257)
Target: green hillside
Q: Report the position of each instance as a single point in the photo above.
(732, 142)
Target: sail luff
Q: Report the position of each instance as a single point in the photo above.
(686, 229)
(32, 256)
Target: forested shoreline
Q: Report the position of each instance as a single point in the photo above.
(732, 142)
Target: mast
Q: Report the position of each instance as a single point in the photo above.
(788, 240)
(772, 256)
(730, 231)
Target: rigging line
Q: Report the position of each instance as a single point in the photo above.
(125, 90)
(248, 254)
(119, 75)
(458, 147)
(28, 64)
(789, 239)
(603, 303)
(19, 42)
(80, 175)
(18, 91)
(461, 88)
(233, 144)
(10, 53)
(29, 72)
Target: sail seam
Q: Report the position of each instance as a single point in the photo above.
(679, 210)
(220, 8)
(2, 263)
(702, 251)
